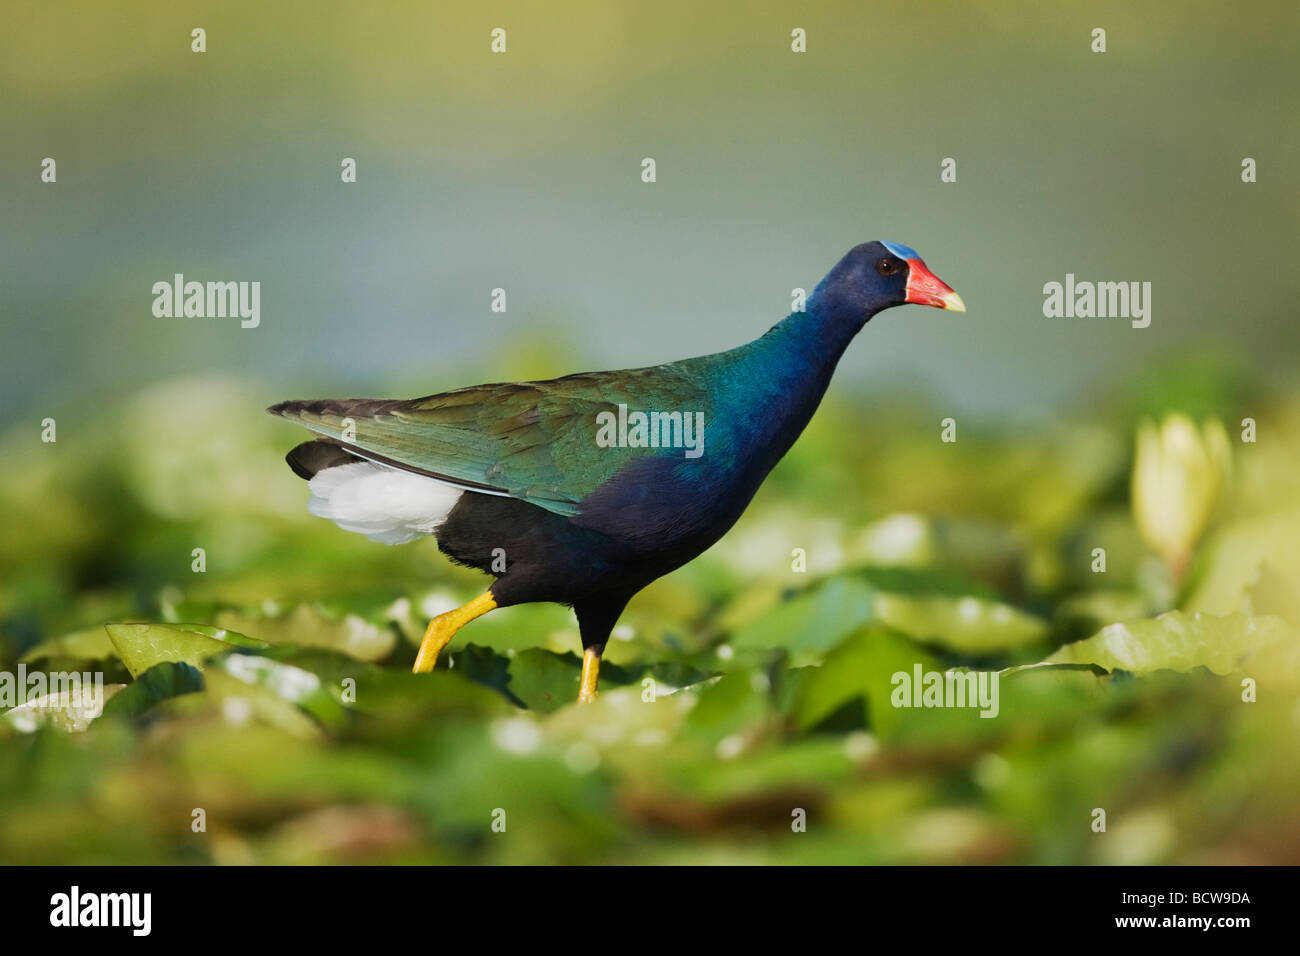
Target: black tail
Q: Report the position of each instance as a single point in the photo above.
(314, 456)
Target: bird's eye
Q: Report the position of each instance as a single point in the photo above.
(886, 267)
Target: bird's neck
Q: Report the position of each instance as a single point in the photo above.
(785, 373)
(810, 342)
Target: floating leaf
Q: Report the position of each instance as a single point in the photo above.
(242, 702)
(546, 681)
(922, 581)
(308, 627)
(735, 706)
(968, 624)
(291, 684)
(399, 704)
(861, 667)
(332, 667)
(1083, 614)
(141, 646)
(485, 666)
(811, 623)
(90, 644)
(249, 686)
(1177, 641)
(160, 682)
(71, 711)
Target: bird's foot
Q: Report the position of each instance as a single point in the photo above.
(444, 627)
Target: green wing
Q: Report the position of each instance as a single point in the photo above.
(530, 440)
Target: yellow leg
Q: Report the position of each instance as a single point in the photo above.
(444, 627)
(590, 668)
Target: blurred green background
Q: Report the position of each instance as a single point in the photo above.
(522, 171)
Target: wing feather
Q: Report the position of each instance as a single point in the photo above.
(530, 440)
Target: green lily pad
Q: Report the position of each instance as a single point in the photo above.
(861, 667)
(71, 711)
(738, 701)
(485, 666)
(545, 681)
(1083, 614)
(161, 682)
(319, 697)
(141, 646)
(968, 624)
(814, 621)
(90, 644)
(811, 623)
(922, 581)
(1235, 643)
(308, 627)
(243, 700)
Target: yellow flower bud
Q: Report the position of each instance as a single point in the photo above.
(1179, 475)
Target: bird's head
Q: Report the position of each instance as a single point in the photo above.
(876, 276)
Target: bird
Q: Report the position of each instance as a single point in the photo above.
(581, 490)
